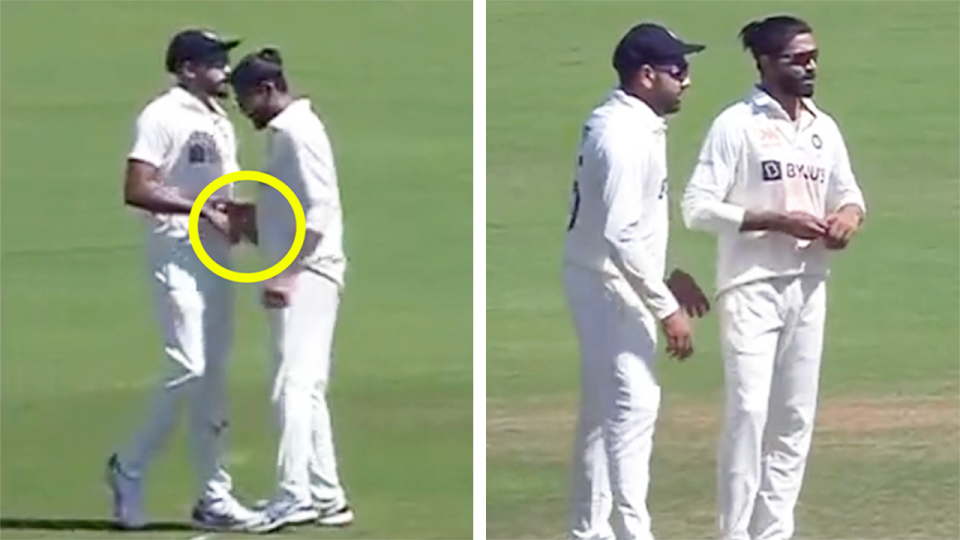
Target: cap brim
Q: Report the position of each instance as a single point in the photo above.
(690, 48)
(229, 44)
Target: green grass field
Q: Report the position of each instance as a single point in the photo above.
(885, 458)
(80, 349)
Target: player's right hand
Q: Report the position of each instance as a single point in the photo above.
(676, 328)
(803, 225)
(690, 296)
(220, 219)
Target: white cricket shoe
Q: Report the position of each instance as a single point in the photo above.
(338, 516)
(283, 512)
(225, 514)
(127, 496)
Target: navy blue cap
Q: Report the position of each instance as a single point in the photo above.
(649, 43)
(198, 46)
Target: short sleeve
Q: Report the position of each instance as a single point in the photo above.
(152, 140)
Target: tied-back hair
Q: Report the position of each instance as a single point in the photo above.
(770, 36)
(270, 54)
(264, 65)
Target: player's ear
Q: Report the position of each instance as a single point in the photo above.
(765, 63)
(646, 76)
(187, 70)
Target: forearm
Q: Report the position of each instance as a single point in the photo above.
(158, 199)
(712, 215)
(311, 240)
(761, 221)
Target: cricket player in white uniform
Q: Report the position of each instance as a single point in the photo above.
(184, 141)
(614, 277)
(303, 301)
(774, 182)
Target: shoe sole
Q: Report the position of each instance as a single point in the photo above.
(300, 517)
(336, 520)
(219, 527)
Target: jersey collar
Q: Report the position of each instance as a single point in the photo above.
(288, 115)
(640, 106)
(190, 101)
(761, 99)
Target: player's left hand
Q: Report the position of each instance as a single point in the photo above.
(843, 225)
(689, 295)
(278, 290)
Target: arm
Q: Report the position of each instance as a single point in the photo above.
(318, 180)
(704, 205)
(843, 193)
(846, 208)
(626, 165)
(313, 180)
(142, 187)
(313, 183)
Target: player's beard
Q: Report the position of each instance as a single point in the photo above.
(672, 103)
(800, 85)
(220, 90)
(673, 106)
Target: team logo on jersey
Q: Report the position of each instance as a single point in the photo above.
(817, 143)
(202, 148)
(769, 137)
(771, 170)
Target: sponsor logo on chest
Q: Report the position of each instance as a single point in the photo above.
(775, 169)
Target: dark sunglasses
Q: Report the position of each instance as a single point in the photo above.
(678, 71)
(801, 58)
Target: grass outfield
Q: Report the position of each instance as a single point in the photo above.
(885, 461)
(80, 349)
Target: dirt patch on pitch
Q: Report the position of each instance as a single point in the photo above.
(538, 430)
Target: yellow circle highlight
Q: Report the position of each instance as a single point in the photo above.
(247, 277)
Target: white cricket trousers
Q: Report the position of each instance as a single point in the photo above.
(303, 342)
(195, 309)
(772, 342)
(620, 399)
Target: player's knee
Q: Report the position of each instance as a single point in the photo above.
(754, 417)
(796, 420)
(287, 389)
(638, 408)
(190, 367)
(753, 410)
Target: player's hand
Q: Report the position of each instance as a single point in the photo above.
(842, 226)
(278, 290)
(243, 216)
(803, 225)
(679, 335)
(690, 296)
(215, 213)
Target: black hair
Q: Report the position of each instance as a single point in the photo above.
(771, 36)
(261, 66)
(270, 54)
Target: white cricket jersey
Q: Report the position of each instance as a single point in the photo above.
(301, 157)
(756, 158)
(619, 218)
(192, 143)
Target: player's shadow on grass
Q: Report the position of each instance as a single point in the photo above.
(84, 525)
